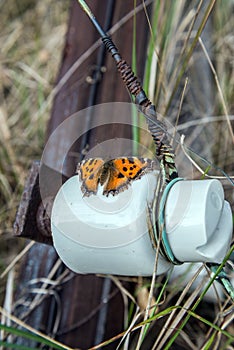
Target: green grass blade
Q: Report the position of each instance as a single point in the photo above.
(16, 346)
(190, 51)
(156, 304)
(31, 336)
(211, 325)
(151, 47)
(209, 342)
(173, 338)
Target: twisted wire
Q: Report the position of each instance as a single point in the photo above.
(131, 81)
(110, 46)
(159, 134)
(164, 151)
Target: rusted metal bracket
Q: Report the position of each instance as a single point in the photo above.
(32, 220)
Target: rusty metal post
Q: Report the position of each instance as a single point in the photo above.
(85, 318)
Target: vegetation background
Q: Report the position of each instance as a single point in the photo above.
(32, 39)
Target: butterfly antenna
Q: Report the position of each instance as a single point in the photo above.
(164, 151)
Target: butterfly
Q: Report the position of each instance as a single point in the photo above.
(115, 174)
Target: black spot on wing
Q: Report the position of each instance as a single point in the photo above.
(131, 160)
(120, 176)
(138, 174)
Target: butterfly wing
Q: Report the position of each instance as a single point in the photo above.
(89, 173)
(117, 181)
(134, 167)
(124, 170)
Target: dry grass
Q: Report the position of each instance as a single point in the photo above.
(31, 41)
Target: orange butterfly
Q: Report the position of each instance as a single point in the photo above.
(115, 174)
